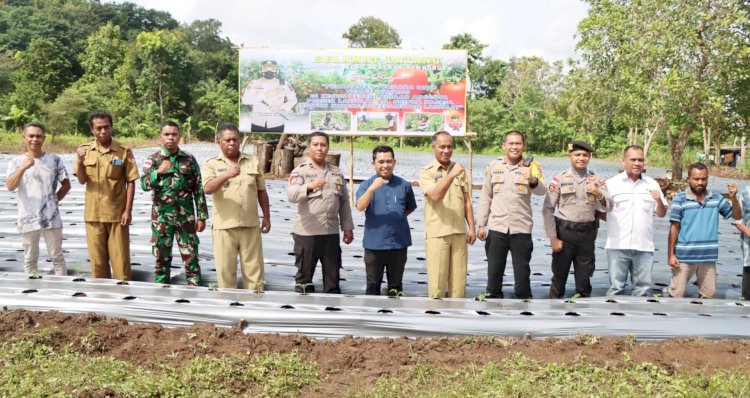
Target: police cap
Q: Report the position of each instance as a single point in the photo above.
(580, 145)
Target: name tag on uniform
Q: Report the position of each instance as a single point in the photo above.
(565, 188)
(117, 162)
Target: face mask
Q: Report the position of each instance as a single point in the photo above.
(269, 74)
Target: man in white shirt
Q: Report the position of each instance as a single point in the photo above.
(630, 224)
(36, 174)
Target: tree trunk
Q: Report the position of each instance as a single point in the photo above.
(276, 162)
(677, 146)
(648, 137)
(741, 162)
(706, 132)
(717, 148)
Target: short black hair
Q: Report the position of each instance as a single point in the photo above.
(226, 126)
(696, 166)
(36, 124)
(99, 114)
(170, 124)
(318, 134)
(514, 132)
(629, 147)
(435, 136)
(382, 149)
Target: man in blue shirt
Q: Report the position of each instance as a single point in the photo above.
(693, 245)
(386, 200)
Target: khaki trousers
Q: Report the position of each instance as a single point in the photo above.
(53, 240)
(242, 241)
(706, 273)
(109, 242)
(447, 258)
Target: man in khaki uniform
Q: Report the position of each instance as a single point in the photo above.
(237, 184)
(319, 190)
(108, 170)
(447, 211)
(577, 194)
(504, 215)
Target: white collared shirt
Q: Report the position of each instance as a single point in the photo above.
(630, 224)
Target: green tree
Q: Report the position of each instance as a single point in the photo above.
(104, 53)
(45, 66)
(371, 32)
(156, 72)
(670, 50)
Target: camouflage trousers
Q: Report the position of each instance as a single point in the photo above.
(162, 235)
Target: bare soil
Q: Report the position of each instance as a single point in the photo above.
(352, 363)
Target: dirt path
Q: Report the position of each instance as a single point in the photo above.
(358, 362)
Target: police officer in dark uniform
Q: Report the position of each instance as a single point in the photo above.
(577, 194)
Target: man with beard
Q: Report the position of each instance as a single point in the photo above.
(271, 98)
(630, 224)
(577, 194)
(693, 245)
(504, 215)
(175, 179)
(387, 200)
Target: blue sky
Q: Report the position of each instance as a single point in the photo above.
(545, 28)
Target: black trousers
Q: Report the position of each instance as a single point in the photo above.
(746, 283)
(393, 261)
(262, 129)
(578, 248)
(307, 251)
(496, 247)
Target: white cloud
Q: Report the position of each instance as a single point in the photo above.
(510, 28)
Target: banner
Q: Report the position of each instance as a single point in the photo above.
(375, 91)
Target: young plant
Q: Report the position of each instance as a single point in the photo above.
(482, 296)
(395, 293)
(35, 274)
(212, 287)
(303, 287)
(259, 286)
(573, 298)
(123, 280)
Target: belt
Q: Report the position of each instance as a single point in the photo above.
(576, 226)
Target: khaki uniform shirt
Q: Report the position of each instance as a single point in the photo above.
(448, 216)
(235, 203)
(109, 171)
(320, 212)
(505, 202)
(567, 192)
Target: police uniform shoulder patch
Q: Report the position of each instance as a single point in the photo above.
(294, 177)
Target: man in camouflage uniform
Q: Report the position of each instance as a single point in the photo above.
(175, 178)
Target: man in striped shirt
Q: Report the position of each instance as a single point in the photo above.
(694, 232)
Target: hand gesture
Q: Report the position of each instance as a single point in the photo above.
(200, 225)
(316, 184)
(556, 244)
(471, 236)
(348, 236)
(27, 163)
(377, 183)
(165, 166)
(81, 152)
(593, 188)
(526, 173)
(233, 171)
(656, 194)
(732, 187)
(482, 234)
(457, 170)
(265, 225)
(673, 261)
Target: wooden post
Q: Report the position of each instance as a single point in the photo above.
(351, 171)
(467, 141)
